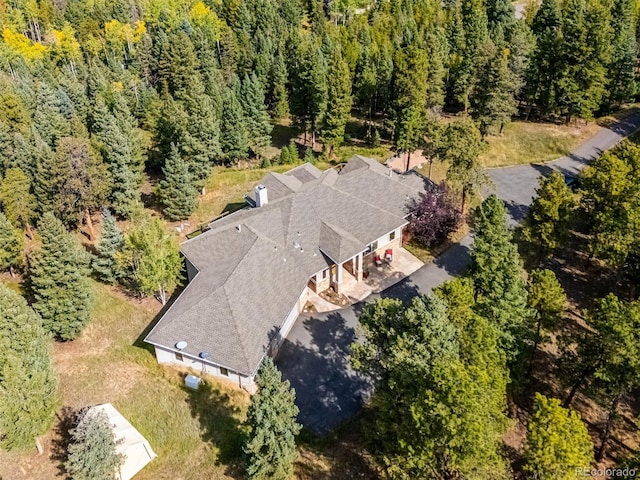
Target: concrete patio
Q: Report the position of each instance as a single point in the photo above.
(377, 280)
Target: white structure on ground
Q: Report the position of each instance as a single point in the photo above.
(135, 448)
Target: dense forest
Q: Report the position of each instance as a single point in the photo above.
(95, 94)
(119, 110)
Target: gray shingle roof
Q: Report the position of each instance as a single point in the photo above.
(253, 264)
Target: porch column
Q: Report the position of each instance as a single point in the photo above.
(339, 274)
(358, 269)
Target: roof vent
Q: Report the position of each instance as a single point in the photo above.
(181, 345)
(239, 228)
(204, 355)
(261, 196)
(296, 244)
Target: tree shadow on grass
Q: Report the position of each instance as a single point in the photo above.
(66, 421)
(220, 424)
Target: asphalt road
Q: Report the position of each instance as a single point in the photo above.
(315, 355)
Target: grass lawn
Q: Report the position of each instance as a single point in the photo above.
(527, 142)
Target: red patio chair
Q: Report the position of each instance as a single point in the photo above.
(378, 261)
(388, 255)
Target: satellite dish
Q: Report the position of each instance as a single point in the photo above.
(204, 355)
(181, 345)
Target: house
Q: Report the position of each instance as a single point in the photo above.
(250, 273)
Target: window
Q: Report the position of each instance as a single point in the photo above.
(392, 235)
(179, 357)
(372, 247)
(224, 371)
(324, 273)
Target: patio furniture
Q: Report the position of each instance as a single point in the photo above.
(378, 261)
(388, 255)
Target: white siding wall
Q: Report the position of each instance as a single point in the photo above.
(384, 240)
(168, 357)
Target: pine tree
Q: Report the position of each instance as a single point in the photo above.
(547, 223)
(498, 276)
(16, 198)
(474, 23)
(461, 144)
(58, 279)
(410, 84)
(544, 72)
(557, 442)
(28, 399)
(621, 70)
(105, 263)
(10, 245)
(338, 103)
(255, 111)
(92, 453)
(294, 156)
(270, 446)
(119, 155)
(177, 192)
(278, 100)
(547, 298)
(235, 140)
(585, 52)
(308, 99)
(73, 183)
(309, 157)
(492, 100)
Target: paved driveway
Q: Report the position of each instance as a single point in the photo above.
(315, 355)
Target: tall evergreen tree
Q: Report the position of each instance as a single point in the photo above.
(338, 102)
(270, 446)
(461, 144)
(308, 99)
(16, 198)
(58, 278)
(410, 85)
(498, 275)
(547, 223)
(28, 386)
(10, 245)
(118, 153)
(257, 117)
(493, 98)
(177, 192)
(92, 453)
(235, 139)
(547, 298)
(621, 70)
(105, 263)
(73, 183)
(544, 71)
(474, 23)
(584, 54)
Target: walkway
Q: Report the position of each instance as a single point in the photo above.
(315, 355)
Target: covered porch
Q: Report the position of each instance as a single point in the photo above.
(373, 279)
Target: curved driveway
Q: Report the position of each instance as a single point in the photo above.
(315, 355)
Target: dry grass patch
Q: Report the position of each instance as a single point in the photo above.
(525, 142)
